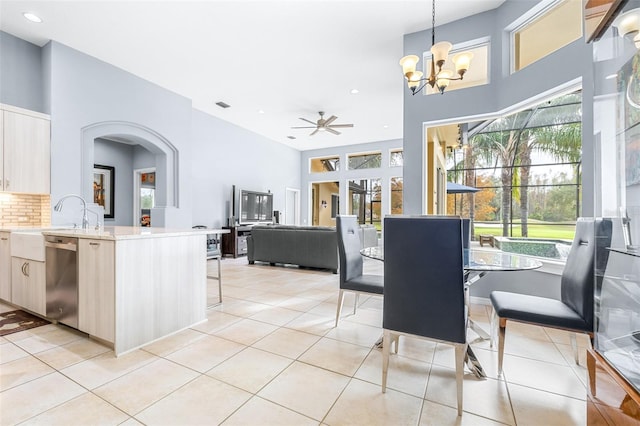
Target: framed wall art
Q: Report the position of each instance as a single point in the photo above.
(104, 188)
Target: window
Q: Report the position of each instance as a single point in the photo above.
(546, 32)
(325, 164)
(396, 158)
(396, 195)
(365, 197)
(335, 205)
(527, 167)
(372, 160)
(476, 75)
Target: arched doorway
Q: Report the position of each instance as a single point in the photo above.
(166, 160)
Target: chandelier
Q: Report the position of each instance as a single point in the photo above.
(440, 51)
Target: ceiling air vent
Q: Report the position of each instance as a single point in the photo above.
(222, 104)
(291, 137)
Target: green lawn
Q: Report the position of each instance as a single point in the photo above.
(536, 230)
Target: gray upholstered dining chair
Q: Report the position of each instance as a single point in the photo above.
(574, 310)
(351, 264)
(424, 286)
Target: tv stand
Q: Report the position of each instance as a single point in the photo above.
(235, 242)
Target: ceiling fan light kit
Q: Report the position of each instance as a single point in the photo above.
(439, 52)
(323, 125)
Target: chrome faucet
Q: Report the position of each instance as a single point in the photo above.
(85, 219)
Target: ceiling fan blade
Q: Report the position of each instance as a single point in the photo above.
(330, 130)
(304, 127)
(341, 125)
(308, 121)
(330, 120)
(314, 132)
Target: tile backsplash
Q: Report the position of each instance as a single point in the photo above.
(24, 209)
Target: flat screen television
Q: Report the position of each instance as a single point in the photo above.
(255, 207)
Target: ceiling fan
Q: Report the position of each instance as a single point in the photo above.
(323, 125)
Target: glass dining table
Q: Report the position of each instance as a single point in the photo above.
(478, 260)
(476, 263)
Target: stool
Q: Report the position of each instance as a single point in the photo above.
(486, 239)
(216, 255)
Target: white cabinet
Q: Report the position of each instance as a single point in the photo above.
(28, 285)
(96, 288)
(25, 164)
(5, 266)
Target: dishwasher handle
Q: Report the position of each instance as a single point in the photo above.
(62, 246)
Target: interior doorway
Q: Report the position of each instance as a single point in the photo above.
(292, 207)
(325, 203)
(144, 193)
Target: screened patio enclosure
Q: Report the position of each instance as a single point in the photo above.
(527, 167)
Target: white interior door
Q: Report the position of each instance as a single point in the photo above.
(292, 207)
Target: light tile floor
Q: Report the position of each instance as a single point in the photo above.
(270, 355)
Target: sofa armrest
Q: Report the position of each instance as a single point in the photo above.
(250, 249)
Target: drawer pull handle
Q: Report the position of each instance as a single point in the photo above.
(94, 244)
(4, 238)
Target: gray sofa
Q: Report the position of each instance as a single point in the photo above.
(307, 246)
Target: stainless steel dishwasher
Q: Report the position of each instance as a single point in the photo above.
(61, 260)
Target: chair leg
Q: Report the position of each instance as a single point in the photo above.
(219, 280)
(386, 349)
(355, 304)
(396, 339)
(461, 351)
(340, 301)
(574, 346)
(502, 328)
(493, 327)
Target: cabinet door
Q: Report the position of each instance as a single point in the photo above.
(5, 266)
(96, 288)
(28, 285)
(27, 153)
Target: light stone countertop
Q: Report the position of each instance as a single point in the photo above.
(129, 232)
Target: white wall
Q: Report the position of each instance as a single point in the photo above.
(21, 74)
(212, 155)
(227, 155)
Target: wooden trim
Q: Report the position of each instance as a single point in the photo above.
(621, 381)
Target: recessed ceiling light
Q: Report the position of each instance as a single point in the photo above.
(386, 126)
(354, 91)
(260, 111)
(32, 17)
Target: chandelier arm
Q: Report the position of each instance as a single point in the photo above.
(415, 91)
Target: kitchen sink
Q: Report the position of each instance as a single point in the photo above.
(28, 245)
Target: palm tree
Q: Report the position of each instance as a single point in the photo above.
(499, 147)
(552, 128)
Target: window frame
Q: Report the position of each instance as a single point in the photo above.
(458, 48)
(391, 152)
(535, 13)
(363, 153)
(325, 157)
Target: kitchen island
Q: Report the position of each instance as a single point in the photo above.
(137, 285)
